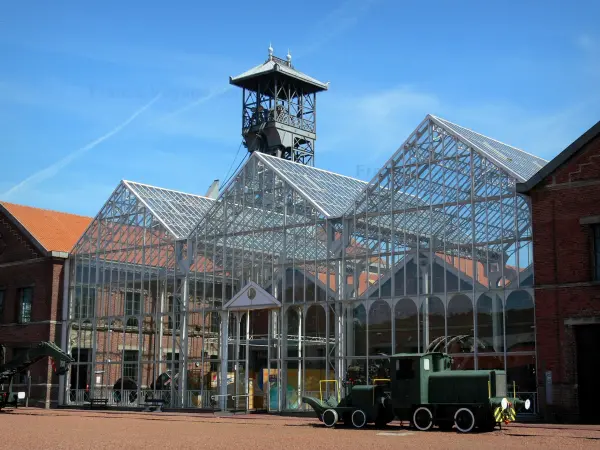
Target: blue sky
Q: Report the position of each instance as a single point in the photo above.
(92, 94)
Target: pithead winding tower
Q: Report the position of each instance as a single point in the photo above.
(279, 109)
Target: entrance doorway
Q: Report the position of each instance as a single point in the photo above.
(248, 360)
(80, 374)
(588, 366)
(253, 349)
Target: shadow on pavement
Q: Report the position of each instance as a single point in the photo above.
(562, 436)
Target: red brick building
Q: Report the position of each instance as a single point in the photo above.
(34, 245)
(565, 200)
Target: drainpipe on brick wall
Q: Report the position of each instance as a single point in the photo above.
(557, 368)
(63, 328)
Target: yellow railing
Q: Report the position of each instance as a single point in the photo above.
(337, 388)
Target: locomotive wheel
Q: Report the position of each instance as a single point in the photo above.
(422, 418)
(330, 417)
(464, 420)
(359, 418)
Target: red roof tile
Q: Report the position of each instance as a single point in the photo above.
(55, 231)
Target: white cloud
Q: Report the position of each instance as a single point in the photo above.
(370, 127)
(334, 24)
(590, 49)
(372, 124)
(586, 42)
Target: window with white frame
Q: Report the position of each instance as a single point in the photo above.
(130, 364)
(133, 307)
(25, 304)
(173, 362)
(85, 302)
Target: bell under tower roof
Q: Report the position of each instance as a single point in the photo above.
(259, 75)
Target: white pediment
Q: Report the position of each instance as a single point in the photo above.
(252, 296)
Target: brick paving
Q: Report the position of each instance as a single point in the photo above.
(83, 429)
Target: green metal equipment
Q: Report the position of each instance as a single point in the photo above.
(425, 391)
(27, 357)
(364, 404)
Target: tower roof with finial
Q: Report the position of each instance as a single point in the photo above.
(259, 74)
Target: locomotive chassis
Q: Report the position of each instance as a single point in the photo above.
(424, 391)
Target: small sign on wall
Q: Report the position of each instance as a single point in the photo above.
(548, 379)
(98, 379)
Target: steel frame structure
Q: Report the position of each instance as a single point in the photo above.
(279, 110)
(437, 245)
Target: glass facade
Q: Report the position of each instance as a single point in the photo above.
(296, 276)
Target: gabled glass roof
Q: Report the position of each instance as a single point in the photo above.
(329, 192)
(516, 162)
(263, 213)
(177, 211)
(439, 187)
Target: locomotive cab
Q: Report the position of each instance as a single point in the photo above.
(427, 392)
(410, 375)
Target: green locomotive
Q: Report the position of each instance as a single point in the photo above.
(424, 390)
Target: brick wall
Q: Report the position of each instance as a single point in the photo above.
(563, 272)
(109, 353)
(23, 265)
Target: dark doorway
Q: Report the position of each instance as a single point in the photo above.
(79, 370)
(588, 368)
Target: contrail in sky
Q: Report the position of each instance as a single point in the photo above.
(336, 22)
(197, 102)
(57, 166)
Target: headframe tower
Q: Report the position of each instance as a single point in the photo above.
(279, 109)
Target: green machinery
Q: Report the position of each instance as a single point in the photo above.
(425, 391)
(27, 357)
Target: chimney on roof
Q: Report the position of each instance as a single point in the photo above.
(213, 190)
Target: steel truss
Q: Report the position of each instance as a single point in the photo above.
(436, 245)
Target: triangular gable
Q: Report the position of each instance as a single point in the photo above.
(252, 296)
(264, 178)
(179, 212)
(176, 211)
(47, 230)
(138, 216)
(408, 185)
(438, 261)
(15, 242)
(329, 192)
(516, 162)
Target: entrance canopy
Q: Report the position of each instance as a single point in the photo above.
(252, 296)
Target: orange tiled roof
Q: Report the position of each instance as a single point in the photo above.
(55, 231)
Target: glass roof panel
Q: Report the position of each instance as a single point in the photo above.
(426, 191)
(329, 192)
(177, 211)
(520, 164)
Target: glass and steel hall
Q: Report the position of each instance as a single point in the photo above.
(292, 274)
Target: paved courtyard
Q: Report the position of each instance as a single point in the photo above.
(83, 429)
